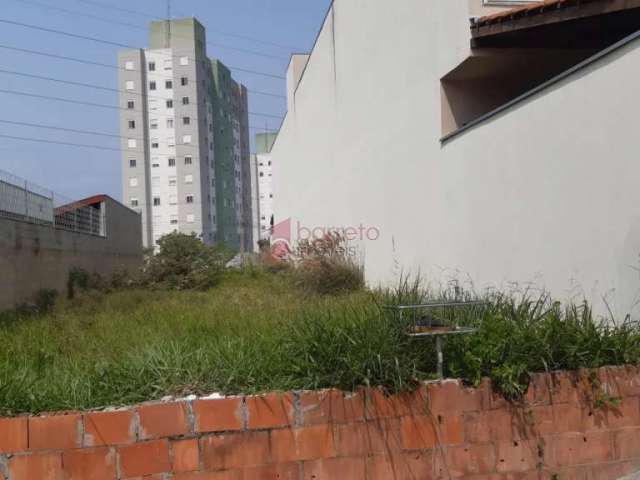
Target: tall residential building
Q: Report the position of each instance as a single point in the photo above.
(185, 129)
(264, 163)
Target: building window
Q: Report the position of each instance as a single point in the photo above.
(153, 124)
(155, 165)
(184, 61)
(155, 144)
(191, 218)
(155, 181)
(129, 65)
(185, 100)
(132, 163)
(152, 85)
(188, 179)
(173, 200)
(186, 121)
(169, 103)
(132, 124)
(184, 81)
(172, 162)
(133, 182)
(129, 85)
(168, 65)
(173, 181)
(131, 105)
(152, 66)
(169, 122)
(131, 143)
(134, 202)
(188, 160)
(262, 174)
(186, 139)
(168, 84)
(171, 141)
(173, 219)
(189, 198)
(156, 201)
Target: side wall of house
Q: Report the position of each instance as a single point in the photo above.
(34, 257)
(544, 193)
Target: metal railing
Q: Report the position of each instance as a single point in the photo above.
(27, 202)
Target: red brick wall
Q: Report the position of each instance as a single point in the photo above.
(570, 426)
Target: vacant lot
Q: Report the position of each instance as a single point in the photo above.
(257, 332)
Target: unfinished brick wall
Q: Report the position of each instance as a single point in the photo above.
(571, 426)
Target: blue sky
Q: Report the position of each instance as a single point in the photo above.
(77, 172)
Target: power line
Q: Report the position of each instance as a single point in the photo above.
(106, 42)
(221, 32)
(139, 27)
(108, 89)
(55, 142)
(102, 105)
(87, 132)
(116, 67)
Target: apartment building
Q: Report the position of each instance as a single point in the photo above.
(184, 123)
(264, 169)
(489, 143)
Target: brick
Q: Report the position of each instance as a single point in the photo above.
(219, 415)
(331, 468)
(144, 458)
(40, 466)
(228, 475)
(361, 439)
(55, 432)
(13, 435)
(269, 411)
(163, 420)
(306, 443)
(285, 471)
(450, 396)
(235, 450)
(420, 433)
(379, 405)
(567, 418)
(627, 443)
(109, 428)
(94, 464)
(401, 466)
(517, 456)
(330, 406)
(625, 414)
(186, 455)
(466, 460)
(576, 448)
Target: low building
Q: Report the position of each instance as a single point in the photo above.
(471, 142)
(40, 243)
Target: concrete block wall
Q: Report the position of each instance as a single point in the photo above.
(562, 430)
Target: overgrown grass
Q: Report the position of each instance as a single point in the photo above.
(258, 332)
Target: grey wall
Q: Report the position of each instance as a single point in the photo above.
(33, 257)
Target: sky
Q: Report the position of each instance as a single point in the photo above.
(77, 172)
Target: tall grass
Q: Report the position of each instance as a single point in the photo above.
(258, 332)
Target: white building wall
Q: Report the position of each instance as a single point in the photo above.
(543, 193)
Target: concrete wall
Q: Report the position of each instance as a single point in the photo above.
(542, 193)
(440, 431)
(33, 257)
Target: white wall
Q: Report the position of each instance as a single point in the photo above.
(543, 193)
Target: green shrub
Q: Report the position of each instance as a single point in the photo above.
(325, 266)
(45, 300)
(183, 262)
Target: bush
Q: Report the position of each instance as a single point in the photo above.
(327, 267)
(45, 300)
(184, 263)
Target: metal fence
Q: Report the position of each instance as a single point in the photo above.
(25, 201)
